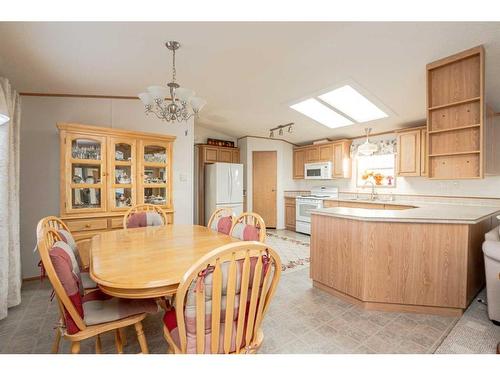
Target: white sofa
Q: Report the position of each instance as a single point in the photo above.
(491, 250)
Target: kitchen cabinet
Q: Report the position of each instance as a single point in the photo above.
(455, 116)
(299, 159)
(342, 159)
(411, 157)
(235, 156)
(290, 213)
(408, 154)
(337, 152)
(312, 154)
(326, 152)
(224, 155)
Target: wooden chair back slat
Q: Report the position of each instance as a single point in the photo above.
(216, 306)
(200, 320)
(218, 213)
(245, 277)
(144, 208)
(251, 218)
(49, 238)
(253, 301)
(262, 298)
(230, 300)
(233, 254)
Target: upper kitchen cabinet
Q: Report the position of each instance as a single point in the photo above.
(342, 159)
(412, 152)
(312, 154)
(337, 152)
(299, 159)
(214, 154)
(455, 116)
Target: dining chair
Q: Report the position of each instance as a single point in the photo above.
(208, 316)
(92, 314)
(81, 248)
(249, 226)
(221, 220)
(144, 215)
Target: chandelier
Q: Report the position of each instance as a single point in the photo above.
(172, 103)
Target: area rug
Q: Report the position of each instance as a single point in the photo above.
(294, 254)
(474, 333)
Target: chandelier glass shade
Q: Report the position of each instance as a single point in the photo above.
(172, 103)
(367, 148)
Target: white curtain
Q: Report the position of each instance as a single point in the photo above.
(10, 257)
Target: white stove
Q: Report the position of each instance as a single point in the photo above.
(313, 201)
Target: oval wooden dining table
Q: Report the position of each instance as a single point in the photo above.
(149, 262)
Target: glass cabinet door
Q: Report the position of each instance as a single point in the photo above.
(86, 182)
(121, 173)
(153, 175)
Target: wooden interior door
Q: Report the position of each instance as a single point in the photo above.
(264, 172)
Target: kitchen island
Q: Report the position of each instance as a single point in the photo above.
(426, 258)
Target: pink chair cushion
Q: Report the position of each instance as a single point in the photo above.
(70, 281)
(144, 219)
(222, 224)
(245, 232)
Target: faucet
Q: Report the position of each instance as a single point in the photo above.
(373, 194)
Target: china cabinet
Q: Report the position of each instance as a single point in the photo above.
(105, 171)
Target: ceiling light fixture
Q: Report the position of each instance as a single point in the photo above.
(181, 105)
(321, 113)
(367, 148)
(280, 128)
(351, 103)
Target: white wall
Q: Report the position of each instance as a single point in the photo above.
(487, 187)
(39, 170)
(201, 134)
(284, 153)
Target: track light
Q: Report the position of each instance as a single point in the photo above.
(280, 129)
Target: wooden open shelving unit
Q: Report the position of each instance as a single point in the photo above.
(455, 116)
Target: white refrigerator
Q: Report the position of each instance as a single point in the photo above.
(223, 188)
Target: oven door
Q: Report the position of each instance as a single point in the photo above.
(304, 207)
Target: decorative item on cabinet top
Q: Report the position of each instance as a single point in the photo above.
(219, 142)
(105, 171)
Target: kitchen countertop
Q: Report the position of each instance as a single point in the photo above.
(423, 212)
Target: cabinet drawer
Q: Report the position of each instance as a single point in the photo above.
(116, 222)
(88, 224)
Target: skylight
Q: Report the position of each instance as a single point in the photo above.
(350, 102)
(314, 109)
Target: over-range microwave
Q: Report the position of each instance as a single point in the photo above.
(318, 171)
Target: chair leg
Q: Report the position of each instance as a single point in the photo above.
(118, 342)
(55, 345)
(123, 337)
(98, 346)
(75, 347)
(141, 338)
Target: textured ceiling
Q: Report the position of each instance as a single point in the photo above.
(248, 72)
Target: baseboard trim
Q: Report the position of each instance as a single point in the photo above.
(390, 307)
